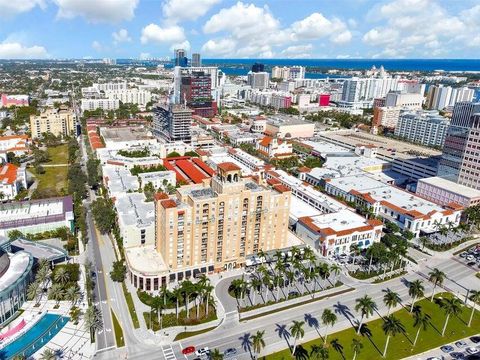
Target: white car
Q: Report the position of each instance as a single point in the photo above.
(471, 350)
(203, 351)
(470, 257)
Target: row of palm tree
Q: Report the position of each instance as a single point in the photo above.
(200, 292)
(36, 288)
(303, 274)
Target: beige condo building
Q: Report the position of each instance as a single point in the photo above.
(215, 226)
(59, 122)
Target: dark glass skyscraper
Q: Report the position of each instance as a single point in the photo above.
(257, 67)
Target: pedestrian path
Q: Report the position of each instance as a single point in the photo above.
(168, 352)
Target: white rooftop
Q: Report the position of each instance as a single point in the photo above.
(19, 263)
(451, 186)
(28, 210)
(380, 191)
(132, 209)
(325, 148)
(344, 219)
(120, 180)
(299, 208)
(146, 260)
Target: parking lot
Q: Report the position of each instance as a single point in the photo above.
(463, 349)
(470, 257)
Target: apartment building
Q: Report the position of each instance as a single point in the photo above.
(218, 225)
(59, 122)
(423, 127)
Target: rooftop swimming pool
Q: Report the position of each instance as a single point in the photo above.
(34, 338)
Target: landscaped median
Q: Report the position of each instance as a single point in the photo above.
(340, 345)
(273, 308)
(131, 306)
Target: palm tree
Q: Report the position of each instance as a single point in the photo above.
(365, 305)
(421, 321)
(437, 277)
(391, 299)
(93, 319)
(72, 294)
(48, 354)
(207, 293)
(216, 355)
(335, 269)
(57, 293)
(187, 288)
(318, 352)
(34, 291)
(157, 305)
(297, 332)
(451, 306)
(356, 346)
(391, 327)
(475, 298)
(329, 319)
(415, 290)
(255, 284)
(258, 343)
(177, 293)
(61, 276)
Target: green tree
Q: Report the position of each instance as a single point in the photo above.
(451, 306)
(356, 346)
(329, 319)
(56, 293)
(215, 354)
(437, 277)
(93, 319)
(48, 354)
(173, 154)
(104, 214)
(258, 342)
(119, 271)
(319, 352)
(474, 298)
(421, 321)
(34, 291)
(391, 299)
(297, 332)
(416, 291)
(61, 276)
(72, 294)
(366, 306)
(391, 327)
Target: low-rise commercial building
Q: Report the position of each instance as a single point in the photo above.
(408, 211)
(17, 144)
(289, 127)
(271, 147)
(103, 104)
(444, 191)
(12, 180)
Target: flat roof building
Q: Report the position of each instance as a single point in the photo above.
(443, 191)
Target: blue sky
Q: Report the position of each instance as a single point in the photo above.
(234, 29)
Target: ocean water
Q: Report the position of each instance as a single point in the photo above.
(242, 66)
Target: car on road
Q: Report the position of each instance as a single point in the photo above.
(471, 350)
(434, 358)
(475, 339)
(188, 350)
(460, 344)
(293, 293)
(457, 355)
(203, 352)
(463, 254)
(447, 348)
(229, 352)
(472, 263)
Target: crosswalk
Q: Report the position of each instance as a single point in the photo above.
(168, 352)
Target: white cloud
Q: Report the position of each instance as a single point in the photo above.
(177, 10)
(121, 36)
(221, 47)
(297, 51)
(166, 34)
(421, 28)
(317, 26)
(15, 50)
(185, 45)
(112, 11)
(11, 8)
(97, 46)
(248, 30)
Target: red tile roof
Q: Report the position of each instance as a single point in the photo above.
(8, 173)
(160, 196)
(266, 141)
(169, 204)
(228, 166)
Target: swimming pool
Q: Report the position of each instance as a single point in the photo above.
(35, 337)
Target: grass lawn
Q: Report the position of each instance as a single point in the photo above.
(54, 181)
(118, 331)
(131, 306)
(187, 334)
(401, 345)
(151, 319)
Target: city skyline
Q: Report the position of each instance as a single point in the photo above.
(43, 29)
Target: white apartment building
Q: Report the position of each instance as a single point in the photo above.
(440, 97)
(258, 80)
(130, 96)
(423, 127)
(104, 104)
(386, 116)
(410, 101)
(366, 89)
(287, 73)
(136, 220)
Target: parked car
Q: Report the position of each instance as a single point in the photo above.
(475, 339)
(463, 254)
(460, 344)
(471, 350)
(230, 352)
(188, 350)
(447, 348)
(457, 355)
(202, 351)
